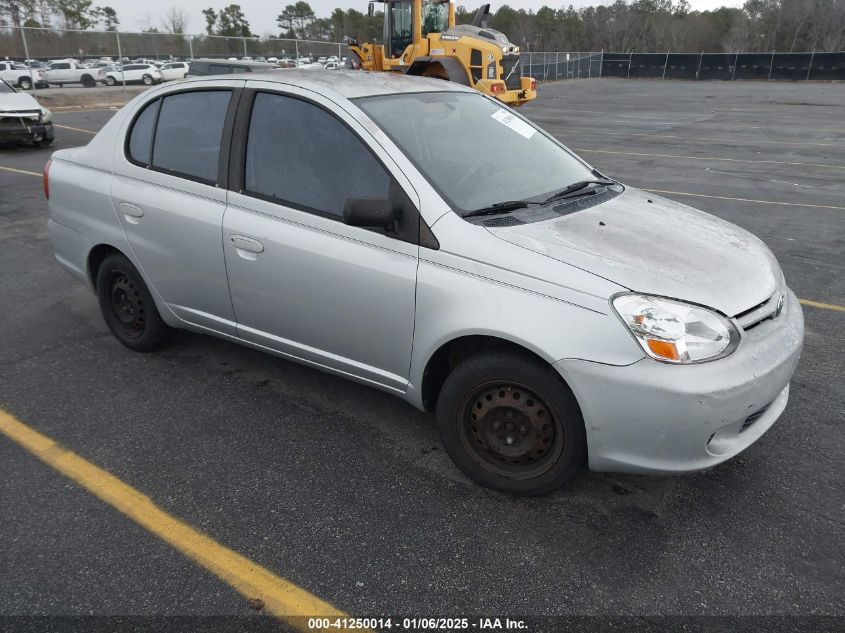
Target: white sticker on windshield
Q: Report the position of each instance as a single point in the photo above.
(514, 122)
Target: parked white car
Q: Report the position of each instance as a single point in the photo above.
(174, 70)
(22, 118)
(146, 74)
(20, 75)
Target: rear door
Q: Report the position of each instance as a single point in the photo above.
(302, 282)
(169, 193)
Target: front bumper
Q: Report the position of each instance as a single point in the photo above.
(652, 417)
(15, 130)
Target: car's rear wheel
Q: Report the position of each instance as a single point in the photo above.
(25, 83)
(510, 423)
(128, 307)
(88, 81)
(148, 80)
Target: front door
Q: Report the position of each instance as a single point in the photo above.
(302, 282)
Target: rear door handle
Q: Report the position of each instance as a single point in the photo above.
(132, 212)
(246, 245)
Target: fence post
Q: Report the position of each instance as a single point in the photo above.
(601, 64)
(578, 65)
(698, 72)
(666, 63)
(120, 57)
(590, 67)
(339, 52)
(630, 55)
(736, 59)
(243, 39)
(191, 46)
(296, 48)
(28, 63)
(811, 64)
(771, 63)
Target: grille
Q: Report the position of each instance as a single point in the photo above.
(751, 419)
(510, 72)
(760, 313)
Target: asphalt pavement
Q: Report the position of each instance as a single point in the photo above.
(344, 491)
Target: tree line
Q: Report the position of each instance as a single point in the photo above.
(623, 25)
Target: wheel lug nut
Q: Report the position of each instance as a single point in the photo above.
(509, 415)
(509, 440)
(523, 429)
(497, 425)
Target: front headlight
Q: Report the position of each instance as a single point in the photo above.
(46, 115)
(674, 331)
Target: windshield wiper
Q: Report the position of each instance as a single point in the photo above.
(500, 207)
(577, 187)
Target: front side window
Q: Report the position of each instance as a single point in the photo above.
(189, 133)
(472, 150)
(299, 154)
(4, 87)
(61, 66)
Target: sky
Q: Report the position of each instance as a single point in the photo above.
(262, 14)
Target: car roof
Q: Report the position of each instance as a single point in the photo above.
(348, 84)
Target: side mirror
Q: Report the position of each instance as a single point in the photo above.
(369, 213)
(371, 9)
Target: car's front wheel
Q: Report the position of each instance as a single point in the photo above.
(148, 80)
(26, 83)
(111, 81)
(128, 307)
(510, 423)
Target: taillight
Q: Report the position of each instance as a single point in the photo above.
(497, 88)
(533, 84)
(47, 179)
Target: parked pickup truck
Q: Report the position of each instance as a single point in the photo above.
(70, 72)
(19, 75)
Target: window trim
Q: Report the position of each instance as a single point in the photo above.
(222, 178)
(237, 167)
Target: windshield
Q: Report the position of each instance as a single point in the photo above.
(4, 87)
(472, 150)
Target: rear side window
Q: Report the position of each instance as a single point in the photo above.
(61, 66)
(181, 134)
(221, 69)
(189, 132)
(141, 137)
(300, 154)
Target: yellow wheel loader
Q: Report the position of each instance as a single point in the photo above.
(421, 38)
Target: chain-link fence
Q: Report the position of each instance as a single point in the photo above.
(547, 66)
(22, 43)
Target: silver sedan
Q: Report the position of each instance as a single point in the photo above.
(418, 237)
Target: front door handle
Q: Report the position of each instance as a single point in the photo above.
(132, 212)
(246, 245)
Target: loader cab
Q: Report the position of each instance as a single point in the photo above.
(398, 26)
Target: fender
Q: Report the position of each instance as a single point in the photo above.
(454, 69)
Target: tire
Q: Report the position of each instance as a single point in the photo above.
(111, 81)
(510, 423)
(128, 307)
(25, 83)
(148, 81)
(88, 81)
(44, 142)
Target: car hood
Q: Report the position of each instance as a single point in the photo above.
(657, 246)
(14, 102)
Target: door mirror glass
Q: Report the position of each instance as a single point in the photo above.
(369, 213)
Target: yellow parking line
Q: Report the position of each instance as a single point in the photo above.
(786, 204)
(823, 306)
(281, 597)
(20, 171)
(75, 129)
(729, 160)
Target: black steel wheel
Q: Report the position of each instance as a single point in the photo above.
(128, 307)
(510, 423)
